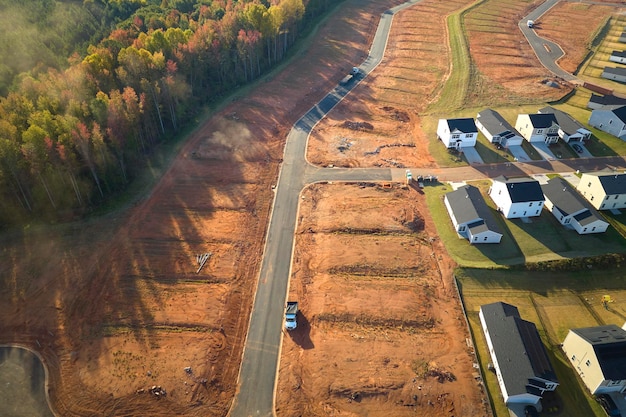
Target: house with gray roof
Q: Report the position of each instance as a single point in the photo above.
(618, 56)
(517, 197)
(470, 215)
(570, 130)
(598, 354)
(457, 133)
(538, 127)
(571, 209)
(622, 37)
(604, 190)
(615, 74)
(522, 366)
(610, 120)
(607, 101)
(496, 129)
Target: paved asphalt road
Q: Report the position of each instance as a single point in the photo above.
(257, 377)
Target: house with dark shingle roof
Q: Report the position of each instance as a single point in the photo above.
(570, 130)
(496, 129)
(571, 209)
(538, 127)
(607, 101)
(517, 197)
(604, 190)
(457, 133)
(598, 354)
(615, 74)
(518, 355)
(470, 215)
(610, 120)
(618, 56)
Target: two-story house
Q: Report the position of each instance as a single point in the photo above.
(517, 197)
(457, 133)
(598, 354)
(610, 120)
(538, 127)
(604, 190)
(570, 130)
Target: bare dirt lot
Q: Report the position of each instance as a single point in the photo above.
(115, 305)
(381, 330)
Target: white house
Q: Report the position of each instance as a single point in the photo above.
(570, 130)
(618, 56)
(517, 197)
(615, 74)
(457, 133)
(496, 129)
(604, 190)
(610, 120)
(538, 127)
(522, 366)
(470, 215)
(598, 354)
(571, 209)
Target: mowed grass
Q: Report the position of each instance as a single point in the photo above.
(543, 239)
(591, 71)
(555, 302)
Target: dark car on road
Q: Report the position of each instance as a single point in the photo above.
(577, 148)
(609, 405)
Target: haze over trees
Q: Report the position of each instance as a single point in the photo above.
(78, 116)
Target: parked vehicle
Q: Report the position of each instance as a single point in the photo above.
(291, 313)
(609, 405)
(577, 148)
(530, 24)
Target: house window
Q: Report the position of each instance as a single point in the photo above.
(461, 228)
(593, 228)
(485, 239)
(616, 197)
(539, 131)
(475, 238)
(588, 363)
(468, 135)
(500, 192)
(573, 357)
(610, 122)
(530, 204)
(561, 218)
(584, 230)
(456, 136)
(589, 185)
(591, 199)
(537, 212)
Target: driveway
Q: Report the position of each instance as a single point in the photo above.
(585, 152)
(544, 151)
(519, 153)
(471, 155)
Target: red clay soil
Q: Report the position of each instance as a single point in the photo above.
(116, 305)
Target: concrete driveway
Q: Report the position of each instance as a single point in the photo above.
(585, 152)
(519, 153)
(544, 151)
(471, 155)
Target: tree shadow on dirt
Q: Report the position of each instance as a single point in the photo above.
(302, 335)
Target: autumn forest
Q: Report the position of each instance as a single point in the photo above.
(89, 89)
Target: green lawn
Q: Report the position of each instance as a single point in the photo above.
(555, 302)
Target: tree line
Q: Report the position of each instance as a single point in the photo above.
(71, 137)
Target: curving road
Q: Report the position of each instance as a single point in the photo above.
(257, 376)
